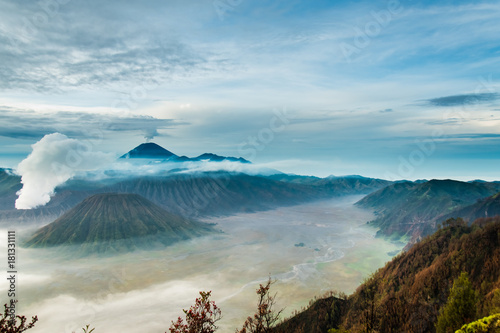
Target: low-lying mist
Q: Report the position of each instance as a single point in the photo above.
(310, 249)
(56, 158)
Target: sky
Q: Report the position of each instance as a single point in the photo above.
(391, 89)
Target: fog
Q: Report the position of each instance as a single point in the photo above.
(309, 249)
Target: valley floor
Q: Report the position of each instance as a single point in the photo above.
(310, 249)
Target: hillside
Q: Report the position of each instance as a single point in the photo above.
(9, 185)
(413, 210)
(407, 294)
(488, 207)
(218, 193)
(114, 222)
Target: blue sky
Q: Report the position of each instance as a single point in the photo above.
(390, 89)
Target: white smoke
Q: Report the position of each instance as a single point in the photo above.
(55, 159)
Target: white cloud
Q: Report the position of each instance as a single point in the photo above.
(54, 159)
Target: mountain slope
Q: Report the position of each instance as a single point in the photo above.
(414, 210)
(488, 207)
(407, 294)
(102, 219)
(9, 185)
(218, 193)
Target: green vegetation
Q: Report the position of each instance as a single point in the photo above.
(460, 308)
(490, 324)
(486, 207)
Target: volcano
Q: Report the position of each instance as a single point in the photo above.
(113, 222)
(149, 150)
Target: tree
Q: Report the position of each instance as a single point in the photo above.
(14, 325)
(460, 307)
(265, 318)
(200, 318)
(489, 324)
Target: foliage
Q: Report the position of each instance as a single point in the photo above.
(200, 318)
(17, 325)
(460, 308)
(407, 294)
(490, 324)
(265, 318)
(320, 315)
(86, 329)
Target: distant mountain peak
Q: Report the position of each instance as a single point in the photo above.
(149, 150)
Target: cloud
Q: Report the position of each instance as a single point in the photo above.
(474, 136)
(54, 159)
(30, 125)
(466, 99)
(64, 49)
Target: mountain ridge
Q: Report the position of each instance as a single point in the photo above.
(414, 210)
(151, 150)
(483, 208)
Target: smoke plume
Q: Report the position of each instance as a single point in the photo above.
(55, 159)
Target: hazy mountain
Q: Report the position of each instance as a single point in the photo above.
(341, 185)
(149, 150)
(488, 207)
(112, 222)
(217, 158)
(152, 150)
(194, 194)
(218, 193)
(407, 294)
(9, 185)
(413, 210)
